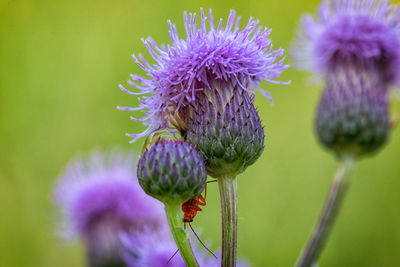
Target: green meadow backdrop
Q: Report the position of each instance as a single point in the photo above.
(60, 66)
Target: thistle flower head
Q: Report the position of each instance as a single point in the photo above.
(354, 45)
(155, 248)
(104, 186)
(366, 31)
(211, 52)
(100, 198)
(172, 171)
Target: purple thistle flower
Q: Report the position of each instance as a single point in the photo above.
(152, 248)
(354, 45)
(100, 198)
(239, 58)
(155, 248)
(351, 30)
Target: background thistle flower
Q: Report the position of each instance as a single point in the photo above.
(353, 45)
(100, 198)
(155, 248)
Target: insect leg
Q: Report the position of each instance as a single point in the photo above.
(199, 202)
(198, 238)
(173, 256)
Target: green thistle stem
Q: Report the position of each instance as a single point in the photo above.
(174, 216)
(329, 213)
(228, 195)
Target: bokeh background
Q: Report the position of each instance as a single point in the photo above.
(60, 64)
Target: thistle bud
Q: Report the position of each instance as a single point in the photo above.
(172, 171)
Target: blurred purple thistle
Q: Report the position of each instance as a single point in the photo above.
(100, 198)
(364, 31)
(155, 248)
(354, 46)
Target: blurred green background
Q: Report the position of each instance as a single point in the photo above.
(60, 64)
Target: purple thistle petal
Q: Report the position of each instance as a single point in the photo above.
(155, 248)
(128, 108)
(362, 30)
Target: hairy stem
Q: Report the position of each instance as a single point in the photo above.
(329, 213)
(174, 216)
(228, 195)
